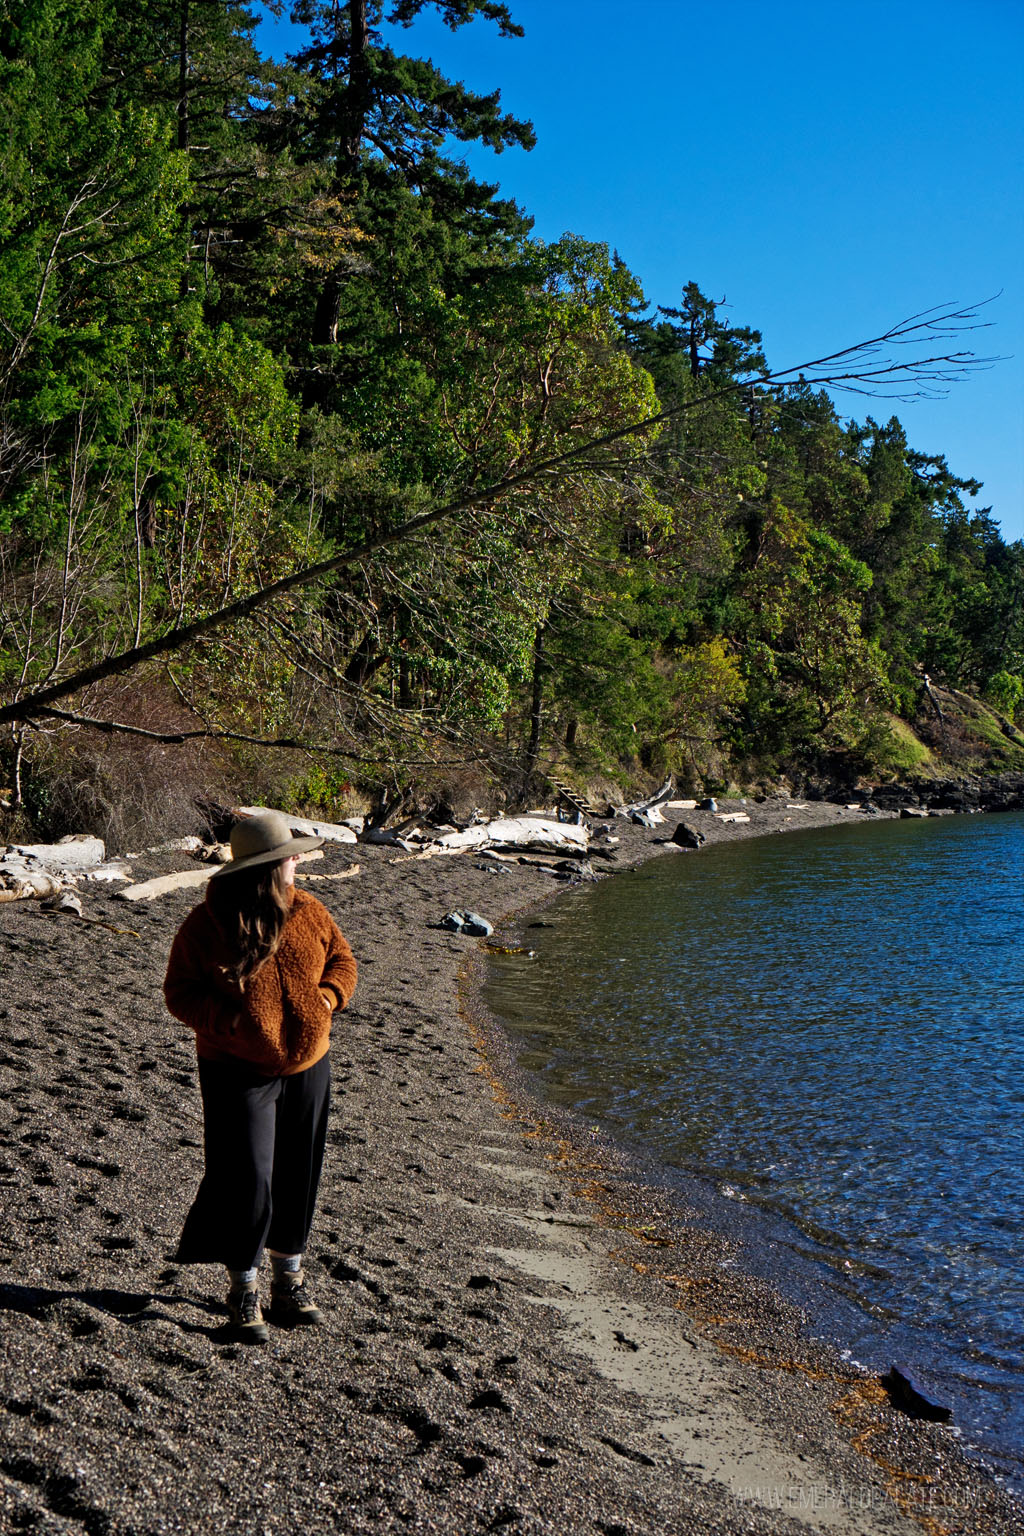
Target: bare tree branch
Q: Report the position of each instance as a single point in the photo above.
(291, 743)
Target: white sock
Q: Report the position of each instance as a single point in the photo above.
(242, 1279)
(284, 1263)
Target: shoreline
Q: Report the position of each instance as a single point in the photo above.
(770, 1245)
(521, 1336)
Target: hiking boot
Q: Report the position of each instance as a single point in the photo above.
(246, 1316)
(290, 1306)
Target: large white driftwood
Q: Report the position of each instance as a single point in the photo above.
(331, 832)
(33, 885)
(13, 869)
(190, 844)
(78, 852)
(82, 857)
(538, 832)
(731, 816)
(145, 890)
(652, 803)
(383, 837)
(113, 869)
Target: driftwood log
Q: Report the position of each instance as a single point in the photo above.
(34, 885)
(330, 831)
(538, 833)
(648, 813)
(35, 871)
(145, 890)
(79, 852)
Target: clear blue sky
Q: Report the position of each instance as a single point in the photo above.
(827, 168)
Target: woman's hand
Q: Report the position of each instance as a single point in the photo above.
(328, 999)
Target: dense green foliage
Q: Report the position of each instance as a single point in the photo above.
(253, 314)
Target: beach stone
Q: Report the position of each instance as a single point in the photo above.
(575, 869)
(475, 926)
(470, 923)
(912, 813)
(686, 836)
(710, 804)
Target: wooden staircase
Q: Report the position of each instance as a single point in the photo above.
(569, 800)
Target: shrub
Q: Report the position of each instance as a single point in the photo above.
(1004, 691)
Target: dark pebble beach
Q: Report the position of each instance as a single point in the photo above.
(521, 1336)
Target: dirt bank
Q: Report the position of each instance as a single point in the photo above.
(521, 1337)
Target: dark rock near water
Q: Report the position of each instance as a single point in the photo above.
(1002, 792)
(990, 792)
(476, 926)
(575, 869)
(894, 797)
(906, 1395)
(471, 924)
(686, 836)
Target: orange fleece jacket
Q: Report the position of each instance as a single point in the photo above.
(280, 1022)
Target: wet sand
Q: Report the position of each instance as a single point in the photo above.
(522, 1337)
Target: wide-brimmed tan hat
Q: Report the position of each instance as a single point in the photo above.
(263, 839)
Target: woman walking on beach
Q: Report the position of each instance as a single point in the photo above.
(257, 971)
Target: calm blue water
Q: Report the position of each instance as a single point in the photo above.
(830, 1025)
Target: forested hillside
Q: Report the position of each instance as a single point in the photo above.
(305, 439)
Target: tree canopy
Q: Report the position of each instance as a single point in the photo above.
(305, 437)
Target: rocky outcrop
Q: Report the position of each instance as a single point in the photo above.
(989, 792)
(965, 795)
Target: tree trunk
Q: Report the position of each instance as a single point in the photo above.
(182, 140)
(405, 697)
(365, 660)
(536, 706)
(358, 94)
(183, 131)
(353, 112)
(694, 347)
(325, 316)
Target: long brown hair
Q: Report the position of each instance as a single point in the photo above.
(252, 908)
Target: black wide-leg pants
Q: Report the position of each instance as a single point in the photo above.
(264, 1143)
